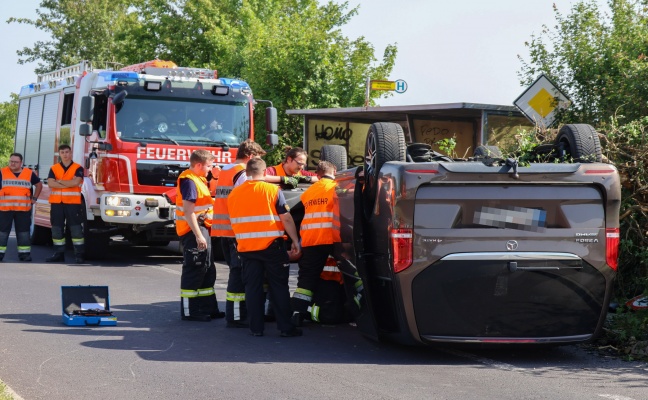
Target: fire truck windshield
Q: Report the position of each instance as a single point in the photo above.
(187, 122)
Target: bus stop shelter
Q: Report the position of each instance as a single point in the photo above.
(469, 124)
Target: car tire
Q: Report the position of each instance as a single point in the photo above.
(335, 154)
(385, 142)
(579, 142)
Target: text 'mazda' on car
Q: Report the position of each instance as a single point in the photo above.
(481, 250)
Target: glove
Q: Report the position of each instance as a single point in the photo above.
(304, 178)
(289, 182)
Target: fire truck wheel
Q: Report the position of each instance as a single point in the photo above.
(41, 236)
(95, 241)
(96, 246)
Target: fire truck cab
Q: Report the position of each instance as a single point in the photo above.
(133, 131)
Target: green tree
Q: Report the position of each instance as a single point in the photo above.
(80, 30)
(291, 52)
(598, 58)
(8, 117)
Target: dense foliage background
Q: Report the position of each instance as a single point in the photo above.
(600, 59)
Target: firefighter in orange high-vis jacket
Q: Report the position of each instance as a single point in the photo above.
(193, 221)
(64, 181)
(231, 176)
(259, 216)
(16, 201)
(319, 229)
(292, 170)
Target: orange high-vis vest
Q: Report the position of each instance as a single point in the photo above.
(221, 225)
(321, 223)
(15, 194)
(203, 205)
(70, 195)
(253, 215)
(282, 172)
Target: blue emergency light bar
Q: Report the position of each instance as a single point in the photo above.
(235, 83)
(115, 76)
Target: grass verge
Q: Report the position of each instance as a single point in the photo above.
(4, 393)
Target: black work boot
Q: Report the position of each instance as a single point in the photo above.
(24, 257)
(78, 259)
(56, 257)
(297, 319)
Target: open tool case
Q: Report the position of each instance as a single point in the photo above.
(87, 306)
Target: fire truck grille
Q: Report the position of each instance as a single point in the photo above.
(151, 174)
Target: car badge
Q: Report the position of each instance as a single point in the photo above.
(511, 245)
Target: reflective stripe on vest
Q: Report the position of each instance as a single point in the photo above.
(330, 272)
(321, 223)
(253, 216)
(15, 194)
(65, 195)
(221, 225)
(203, 205)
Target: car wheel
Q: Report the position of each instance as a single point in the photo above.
(579, 142)
(385, 143)
(335, 154)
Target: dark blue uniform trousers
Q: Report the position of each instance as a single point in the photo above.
(273, 264)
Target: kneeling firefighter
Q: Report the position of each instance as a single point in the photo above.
(319, 229)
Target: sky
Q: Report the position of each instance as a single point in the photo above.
(448, 51)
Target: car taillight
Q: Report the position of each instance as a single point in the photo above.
(401, 240)
(612, 247)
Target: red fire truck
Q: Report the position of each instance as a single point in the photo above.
(133, 131)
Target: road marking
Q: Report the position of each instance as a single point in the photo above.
(165, 269)
(486, 361)
(615, 397)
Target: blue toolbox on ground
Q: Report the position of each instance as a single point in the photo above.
(87, 306)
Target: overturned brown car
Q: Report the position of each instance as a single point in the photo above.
(481, 250)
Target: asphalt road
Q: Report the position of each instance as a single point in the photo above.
(152, 354)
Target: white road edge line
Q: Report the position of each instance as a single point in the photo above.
(615, 397)
(165, 269)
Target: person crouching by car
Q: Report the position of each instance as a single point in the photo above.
(193, 221)
(292, 170)
(319, 229)
(259, 216)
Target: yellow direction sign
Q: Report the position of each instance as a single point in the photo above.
(541, 101)
(383, 85)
